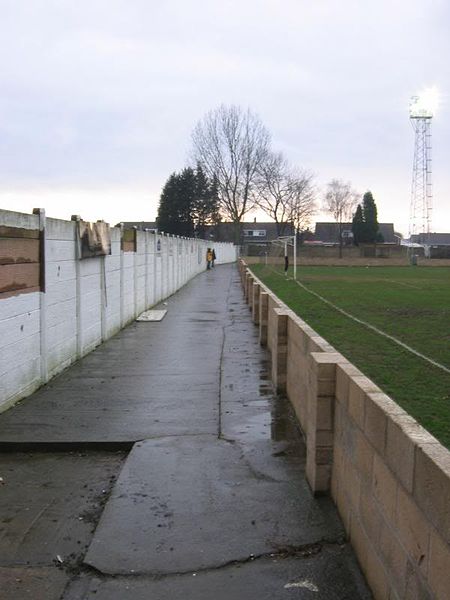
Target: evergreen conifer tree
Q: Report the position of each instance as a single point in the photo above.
(358, 226)
(365, 226)
(370, 218)
(165, 217)
(188, 203)
(176, 202)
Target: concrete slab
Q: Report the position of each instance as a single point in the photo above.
(50, 505)
(18, 583)
(152, 315)
(188, 503)
(332, 574)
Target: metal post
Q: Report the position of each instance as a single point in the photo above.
(295, 255)
(286, 258)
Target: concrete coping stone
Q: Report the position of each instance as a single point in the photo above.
(384, 402)
(328, 357)
(412, 428)
(322, 343)
(301, 323)
(439, 455)
(349, 369)
(367, 385)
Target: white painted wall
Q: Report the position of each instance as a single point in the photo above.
(86, 301)
(20, 331)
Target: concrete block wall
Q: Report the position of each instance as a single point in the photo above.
(391, 483)
(78, 304)
(350, 261)
(278, 344)
(389, 478)
(60, 327)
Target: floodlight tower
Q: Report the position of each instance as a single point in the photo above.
(421, 110)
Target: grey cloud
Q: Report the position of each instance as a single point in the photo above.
(108, 90)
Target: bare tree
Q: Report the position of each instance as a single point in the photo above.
(285, 195)
(230, 144)
(340, 200)
(303, 203)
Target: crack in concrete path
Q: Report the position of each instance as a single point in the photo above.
(301, 551)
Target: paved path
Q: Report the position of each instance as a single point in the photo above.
(210, 503)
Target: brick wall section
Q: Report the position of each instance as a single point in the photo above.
(389, 478)
(394, 502)
(320, 403)
(302, 342)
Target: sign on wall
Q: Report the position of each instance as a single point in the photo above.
(95, 239)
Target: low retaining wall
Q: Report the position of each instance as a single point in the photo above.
(389, 478)
(55, 307)
(351, 262)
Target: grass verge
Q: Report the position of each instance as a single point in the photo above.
(409, 303)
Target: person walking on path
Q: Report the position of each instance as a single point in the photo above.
(209, 258)
(213, 252)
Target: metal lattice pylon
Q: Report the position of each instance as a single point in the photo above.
(421, 188)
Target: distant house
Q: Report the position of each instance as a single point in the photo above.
(328, 233)
(250, 232)
(140, 225)
(431, 239)
(436, 245)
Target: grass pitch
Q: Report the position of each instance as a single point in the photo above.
(411, 304)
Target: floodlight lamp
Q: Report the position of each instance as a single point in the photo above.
(424, 105)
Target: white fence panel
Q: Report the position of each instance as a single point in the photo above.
(85, 301)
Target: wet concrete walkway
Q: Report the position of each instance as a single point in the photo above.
(162, 466)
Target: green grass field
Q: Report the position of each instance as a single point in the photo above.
(411, 304)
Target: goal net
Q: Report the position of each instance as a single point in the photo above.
(282, 256)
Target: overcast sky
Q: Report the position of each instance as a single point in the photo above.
(98, 98)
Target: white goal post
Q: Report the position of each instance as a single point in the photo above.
(283, 243)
